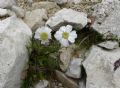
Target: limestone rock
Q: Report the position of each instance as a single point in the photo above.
(108, 23)
(99, 66)
(19, 11)
(110, 27)
(74, 69)
(14, 37)
(61, 1)
(68, 1)
(6, 13)
(104, 9)
(42, 84)
(109, 45)
(11, 13)
(65, 57)
(7, 3)
(35, 18)
(3, 12)
(50, 7)
(30, 2)
(67, 16)
(65, 80)
(75, 1)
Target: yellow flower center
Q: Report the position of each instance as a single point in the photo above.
(65, 35)
(44, 36)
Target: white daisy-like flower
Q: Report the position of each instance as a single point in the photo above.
(65, 35)
(43, 34)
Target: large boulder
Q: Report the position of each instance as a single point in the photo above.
(14, 37)
(103, 9)
(102, 68)
(108, 20)
(7, 3)
(67, 16)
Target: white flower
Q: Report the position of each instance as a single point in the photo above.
(43, 34)
(65, 35)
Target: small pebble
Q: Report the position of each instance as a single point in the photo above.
(60, 84)
(56, 87)
(3, 12)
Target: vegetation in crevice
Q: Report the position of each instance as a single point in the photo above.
(88, 37)
(44, 60)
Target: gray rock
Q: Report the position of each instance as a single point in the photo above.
(109, 45)
(30, 2)
(75, 1)
(50, 7)
(68, 1)
(103, 9)
(65, 80)
(63, 17)
(7, 3)
(42, 84)
(14, 37)
(11, 13)
(74, 69)
(6, 13)
(3, 12)
(65, 57)
(99, 66)
(108, 23)
(60, 84)
(19, 11)
(61, 1)
(35, 18)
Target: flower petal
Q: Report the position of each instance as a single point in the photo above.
(73, 34)
(48, 30)
(62, 29)
(58, 35)
(39, 30)
(64, 42)
(69, 28)
(49, 36)
(71, 39)
(37, 36)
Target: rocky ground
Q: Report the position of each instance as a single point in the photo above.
(94, 65)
